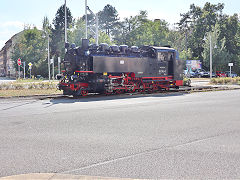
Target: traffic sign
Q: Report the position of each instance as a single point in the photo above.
(230, 64)
(19, 62)
(30, 65)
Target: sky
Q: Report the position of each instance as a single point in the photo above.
(15, 13)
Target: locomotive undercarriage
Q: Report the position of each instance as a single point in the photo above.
(115, 84)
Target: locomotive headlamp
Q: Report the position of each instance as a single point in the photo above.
(74, 77)
(87, 53)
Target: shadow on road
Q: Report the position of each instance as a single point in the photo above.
(95, 98)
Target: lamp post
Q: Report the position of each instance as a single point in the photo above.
(49, 73)
(210, 39)
(96, 24)
(52, 62)
(86, 19)
(65, 10)
(24, 64)
(211, 54)
(59, 65)
(48, 49)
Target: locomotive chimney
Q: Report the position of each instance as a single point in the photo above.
(85, 44)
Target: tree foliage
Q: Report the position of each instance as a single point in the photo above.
(108, 18)
(30, 48)
(196, 24)
(57, 32)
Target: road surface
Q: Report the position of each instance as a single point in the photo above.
(4, 80)
(146, 136)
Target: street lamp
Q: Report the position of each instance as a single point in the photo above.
(210, 38)
(96, 24)
(210, 46)
(49, 73)
(65, 12)
(86, 18)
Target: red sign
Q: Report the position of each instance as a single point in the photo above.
(19, 62)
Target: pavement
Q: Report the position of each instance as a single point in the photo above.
(150, 136)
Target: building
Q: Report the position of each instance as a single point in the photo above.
(6, 62)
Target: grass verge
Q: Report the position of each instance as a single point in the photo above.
(226, 80)
(28, 92)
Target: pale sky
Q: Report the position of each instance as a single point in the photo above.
(15, 13)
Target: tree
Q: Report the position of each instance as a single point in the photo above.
(230, 33)
(46, 27)
(102, 38)
(30, 48)
(79, 32)
(196, 23)
(108, 19)
(139, 30)
(57, 43)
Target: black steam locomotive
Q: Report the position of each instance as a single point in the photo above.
(118, 69)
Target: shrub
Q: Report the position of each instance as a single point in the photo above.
(226, 80)
(186, 82)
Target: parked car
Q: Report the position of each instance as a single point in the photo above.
(39, 77)
(189, 74)
(220, 74)
(233, 74)
(202, 73)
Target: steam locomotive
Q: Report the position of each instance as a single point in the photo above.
(119, 69)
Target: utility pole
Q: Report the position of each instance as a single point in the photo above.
(18, 71)
(53, 69)
(86, 29)
(24, 64)
(65, 7)
(59, 68)
(49, 69)
(210, 38)
(96, 24)
(97, 29)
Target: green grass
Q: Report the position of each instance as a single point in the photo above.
(28, 92)
(28, 87)
(17, 85)
(28, 80)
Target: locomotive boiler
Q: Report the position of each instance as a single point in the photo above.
(118, 69)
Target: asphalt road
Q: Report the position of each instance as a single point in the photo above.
(147, 136)
(6, 80)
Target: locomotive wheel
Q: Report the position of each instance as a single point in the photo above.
(155, 88)
(133, 87)
(118, 91)
(150, 89)
(84, 92)
(141, 88)
(107, 93)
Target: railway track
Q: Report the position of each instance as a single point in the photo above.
(182, 90)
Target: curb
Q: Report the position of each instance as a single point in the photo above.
(183, 89)
(35, 96)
